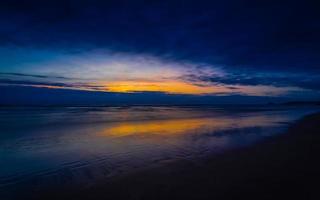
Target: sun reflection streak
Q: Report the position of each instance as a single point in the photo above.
(179, 126)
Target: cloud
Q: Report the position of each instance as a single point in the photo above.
(81, 86)
(306, 81)
(33, 75)
(235, 34)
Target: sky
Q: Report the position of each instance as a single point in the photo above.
(267, 49)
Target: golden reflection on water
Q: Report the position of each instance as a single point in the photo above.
(179, 126)
(167, 127)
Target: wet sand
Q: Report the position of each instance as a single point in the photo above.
(282, 167)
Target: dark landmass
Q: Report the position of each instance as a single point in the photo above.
(283, 167)
(297, 103)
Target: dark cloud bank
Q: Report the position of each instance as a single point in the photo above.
(257, 34)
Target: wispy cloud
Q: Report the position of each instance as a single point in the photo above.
(77, 85)
(33, 75)
(304, 81)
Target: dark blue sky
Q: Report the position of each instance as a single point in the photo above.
(246, 48)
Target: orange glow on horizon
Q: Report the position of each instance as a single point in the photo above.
(174, 87)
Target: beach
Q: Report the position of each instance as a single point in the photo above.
(283, 166)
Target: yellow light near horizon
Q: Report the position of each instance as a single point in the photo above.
(174, 87)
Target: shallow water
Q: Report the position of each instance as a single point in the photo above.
(81, 145)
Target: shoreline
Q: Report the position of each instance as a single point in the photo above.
(281, 167)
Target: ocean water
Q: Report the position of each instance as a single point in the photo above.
(82, 145)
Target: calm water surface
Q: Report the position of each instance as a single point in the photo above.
(82, 145)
